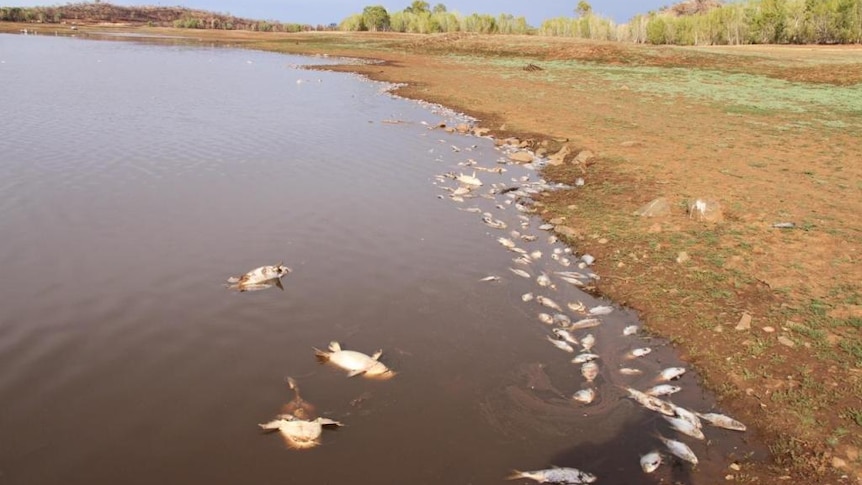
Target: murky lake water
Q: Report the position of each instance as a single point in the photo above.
(134, 179)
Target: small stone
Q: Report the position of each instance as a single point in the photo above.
(735, 467)
(838, 463)
(630, 144)
(786, 341)
(620, 264)
(768, 329)
(603, 240)
(682, 257)
(706, 210)
(729, 478)
(557, 221)
(718, 329)
(744, 322)
(521, 157)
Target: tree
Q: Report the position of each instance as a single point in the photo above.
(584, 9)
(439, 8)
(417, 7)
(375, 17)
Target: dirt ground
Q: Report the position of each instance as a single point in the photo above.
(771, 317)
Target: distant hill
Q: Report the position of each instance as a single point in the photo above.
(692, 7)
(100, 12)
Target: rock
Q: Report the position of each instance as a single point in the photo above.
(603, 240)
(838, 463)
(462, 128)
(682, 257)
(521, 157)
(561, 156)
(706, 210)
(583, 158)
(567, 231)
(630, 144)
(656, 208)
(542, 152)
(769, 329)
(481, 131)
(557, 220)
(744, 322)
(786, 341)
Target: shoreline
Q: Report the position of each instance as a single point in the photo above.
(700, 302)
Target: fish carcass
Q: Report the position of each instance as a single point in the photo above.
(561, 475)
(470, 180)
(259, 278)
(299, 433)
(722, 421)
(651, 461)
(355, 363)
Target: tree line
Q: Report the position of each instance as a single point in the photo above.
(749, 22)
(420, 18)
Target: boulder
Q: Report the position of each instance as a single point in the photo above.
(656, 208)
(706, 210)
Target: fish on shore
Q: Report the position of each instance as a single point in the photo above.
(560, 475)
(585, 396)
(494, 223)
(630, 330)
(638, 353)
(671, 373)
(722, 421)
(651, 403)
(355, 363)
(679, 449)
(662, 390)
(259, 278)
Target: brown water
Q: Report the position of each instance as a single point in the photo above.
(134, 179)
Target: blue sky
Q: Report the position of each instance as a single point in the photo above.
(325, 11)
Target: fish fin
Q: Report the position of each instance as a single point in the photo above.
(516, 474)
(321, 355)
(233, 279)
(279, 285)
(291, 383)
(328, 422)
(376, 355)
(270, 426)
(334, 346)
(356, 372)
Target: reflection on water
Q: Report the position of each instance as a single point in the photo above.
(135, 179)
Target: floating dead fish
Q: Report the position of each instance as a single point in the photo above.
(630, 330)
(564, 335)
(356, 363)
(585, 323)
(573, 281)
(562, 319)
(553, 239)
(561, 344)
(684, 427)
(506, 242)
(470, 209)
(546, 227)
(590, 371)
(651, 461)
(520, 272)
(536, 254)
(583, 358)
(259, 278)
(490, 278)
(548, 303)
(527, 297)
(564, 261)
(601, 310)
(671, 373)
(628, 371)
(546, 319)
(559, 475)
(456, 198)
(461, 191)
(679, 449)
(297, 407)
(494, 223)
(544, 281)
(687, 416)
(662, 390)
(651, 403)
(576, 307)
(588, 341)
(531, 238)
(524, 209)
(522, 260)
(469, 180)
(585, 396)
(722, 421)
(298, 433)
(638, 352)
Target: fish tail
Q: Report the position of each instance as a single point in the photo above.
(516, 474)
(334, 346)
(321, 354)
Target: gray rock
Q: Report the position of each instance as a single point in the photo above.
(656, 208)
(706, 210)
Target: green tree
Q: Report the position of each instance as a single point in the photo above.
(417, 7)
(439, 8)
(375, 17)
(584, 9)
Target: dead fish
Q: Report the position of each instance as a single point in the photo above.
(298, 433)
(588, 342)
(662, 390)
(684, 427)
(456, 198)
(687, 416)
(671, 373)
(573, 281)
(536, 254)
(582, 358)
(638, 352)
(546, 227)
(651, 461)
(628, 371)
(630, 330)
(520, 272)
(651, 403)
(722, 421)
(561, 344)
(576, 307)
(524, 209)
(600, 310)
(561, 475)
(531, 238)
(490, 278)
(548, 303)
(553, 239)
(356, 363)
(590, 371)
(564, 261)
(562, 319)
(297, 407)
(494, 223)
(469, 180)
(546, 319)
(470, 209)
(461, 191)
(527, 297)
(679, 449)
(522, 260)
(585, 396)
(264, 275)
(585, 323)
(506, 242)
(564, 335)
(543, 280)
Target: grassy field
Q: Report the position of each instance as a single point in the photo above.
(773, 133)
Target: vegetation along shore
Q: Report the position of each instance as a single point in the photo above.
(763, 295)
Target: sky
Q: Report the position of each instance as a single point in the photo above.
(324, 12)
